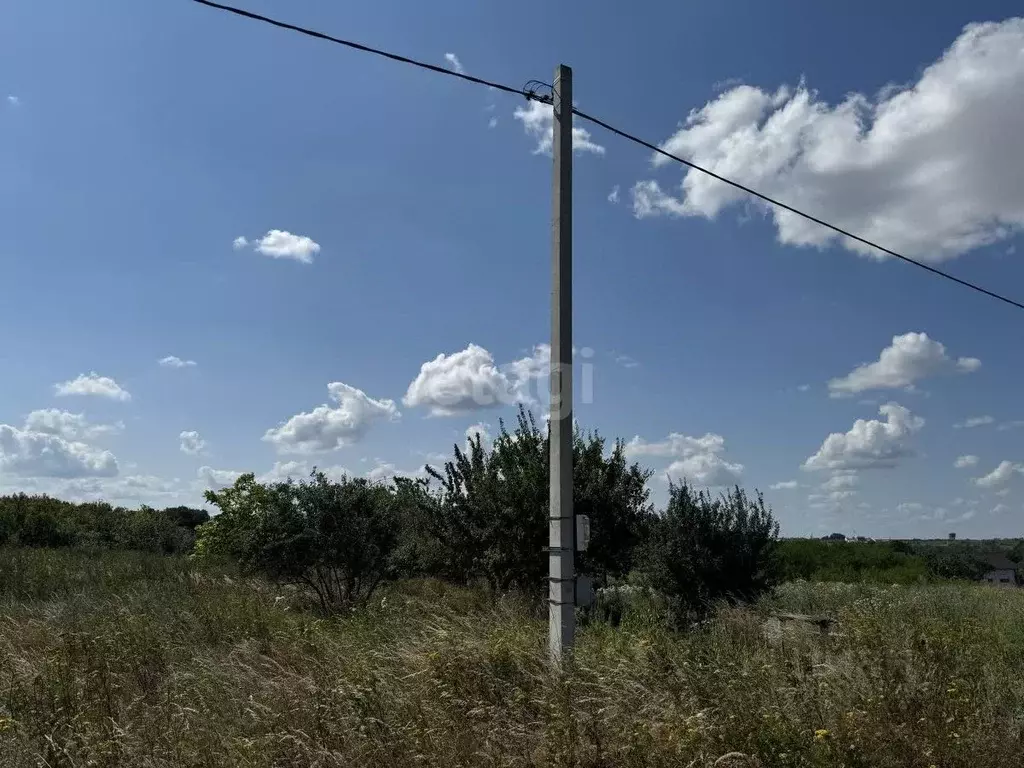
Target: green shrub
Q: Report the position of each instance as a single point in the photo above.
(704, 549)
(337, 540)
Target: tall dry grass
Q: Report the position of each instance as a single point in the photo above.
(122, 660)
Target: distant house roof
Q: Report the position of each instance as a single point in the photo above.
(1000, 562)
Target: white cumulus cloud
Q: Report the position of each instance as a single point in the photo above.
(28, 453)
(539, 123)
(930, 169)
(470, 380)
(279, 244)
(910, 357)
(965, 461)
(1000, 475)
(698, 460)
(328, 427)
(784, 485)
(92, 384)
(216, 479)
(191, 443)
(870, 443)
(70, 426)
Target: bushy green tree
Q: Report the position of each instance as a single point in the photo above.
(705, 549)
(338, 540)
(489, 519)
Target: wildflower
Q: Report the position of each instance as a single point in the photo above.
(820, 734)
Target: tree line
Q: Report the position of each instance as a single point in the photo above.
(482, 518)
(42, 521)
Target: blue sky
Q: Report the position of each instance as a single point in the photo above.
(386, 221)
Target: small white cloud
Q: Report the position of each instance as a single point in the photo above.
(539, 123)
(326, 428)
(870, 444)
(965, 461)
(1000, 475)
(454, 63)
(613, 196)
(240, 242)
(1010, 425)
(803, 388)
(191, 443)
(974, 421)
(14, 101)
(176, 362)
(998, 509)
(493, 122)
(92, 384)
(279, 244)
(784, 485)
(626, 361)
(910, 357)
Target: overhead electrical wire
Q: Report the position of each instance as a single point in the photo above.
(530, 92)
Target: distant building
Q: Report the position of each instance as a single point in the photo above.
(952, 537)
(1002, 571)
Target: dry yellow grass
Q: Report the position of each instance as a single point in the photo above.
(123, 660)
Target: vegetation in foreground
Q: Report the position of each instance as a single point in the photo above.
(344, 622)
(131, 659)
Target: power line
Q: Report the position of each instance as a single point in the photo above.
(531, 94)
(791, 209)
(367, 49)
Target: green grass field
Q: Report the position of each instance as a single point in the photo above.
(135, 660)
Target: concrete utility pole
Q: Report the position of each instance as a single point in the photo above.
(561, 539)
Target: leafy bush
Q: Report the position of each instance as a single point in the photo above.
(704, 549)
(337, 540)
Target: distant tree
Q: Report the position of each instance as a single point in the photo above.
(873, 561)
(42, 521)
(187, 517)
(337, 540)
(1016, 553)
(489, 519)
(959, 566)
(705, 549)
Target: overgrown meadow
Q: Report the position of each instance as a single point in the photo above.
(132, 659)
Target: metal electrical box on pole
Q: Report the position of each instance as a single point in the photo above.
(561, 538)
